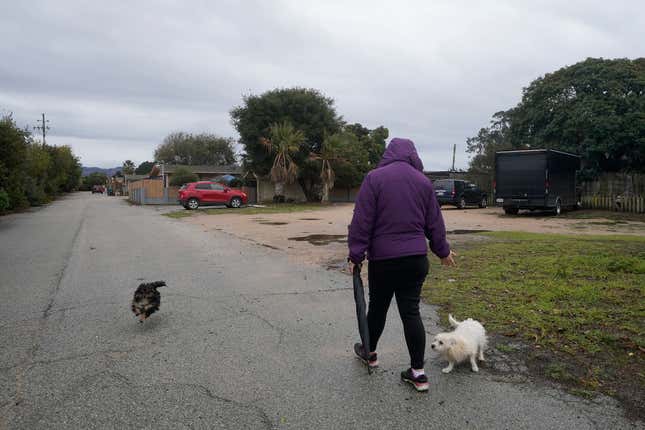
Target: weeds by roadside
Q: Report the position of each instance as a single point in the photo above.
(179, 214)
(611, 216)
(578, 301)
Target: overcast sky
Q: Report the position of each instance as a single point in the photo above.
(115, 77)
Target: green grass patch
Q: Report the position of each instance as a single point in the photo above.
(504, 347)
(178, 214)
(582, 298)
(249, 210)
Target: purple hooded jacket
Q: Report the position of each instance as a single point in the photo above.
(396, 210)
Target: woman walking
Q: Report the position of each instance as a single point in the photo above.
(396, 211)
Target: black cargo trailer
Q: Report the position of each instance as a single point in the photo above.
(541, 179)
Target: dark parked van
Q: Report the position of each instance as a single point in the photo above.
(459, 193)
(541, 179)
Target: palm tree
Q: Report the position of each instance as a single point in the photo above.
(330, 151)
(284, 142)
(128, 167)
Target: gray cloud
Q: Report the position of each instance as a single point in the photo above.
(116, 78)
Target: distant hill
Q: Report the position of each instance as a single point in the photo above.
(109, 172)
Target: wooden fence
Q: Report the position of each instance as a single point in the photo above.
(624, 192)
(151, 192)
(634, 204)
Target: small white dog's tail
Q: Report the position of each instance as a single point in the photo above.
(453, 322)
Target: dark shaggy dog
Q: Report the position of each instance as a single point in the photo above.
(147, 299)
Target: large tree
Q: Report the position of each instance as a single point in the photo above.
(495, 137)
(595, 108)
(13, 155)
(30, 172)
(144, 168)
(195, 149)
(306, 109)
(64, 170)
(372, 142)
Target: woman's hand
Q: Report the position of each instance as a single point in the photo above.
(449, 260)
(350, 266)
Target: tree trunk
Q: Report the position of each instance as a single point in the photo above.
(310, 188)
(278, 192)
(325, 193)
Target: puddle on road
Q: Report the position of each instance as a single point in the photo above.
(466, 231)
(309, 219)
(273, 222)
(321, 239)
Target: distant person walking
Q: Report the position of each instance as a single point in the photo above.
(396, 210)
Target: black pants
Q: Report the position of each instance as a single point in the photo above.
(404, 278)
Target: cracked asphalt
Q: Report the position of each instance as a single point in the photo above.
(244, 339)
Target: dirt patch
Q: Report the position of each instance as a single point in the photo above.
(321, 239)
(464, 227)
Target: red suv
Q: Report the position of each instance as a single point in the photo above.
(206, 193)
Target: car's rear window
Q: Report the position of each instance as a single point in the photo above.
(443, 184)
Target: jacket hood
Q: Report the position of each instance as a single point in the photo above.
(401, 150)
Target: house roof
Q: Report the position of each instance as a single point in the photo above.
(230, 169)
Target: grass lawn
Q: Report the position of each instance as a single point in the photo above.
(609, 217)
(578, 301)
(267, 209)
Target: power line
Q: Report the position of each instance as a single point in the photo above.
(42, 125)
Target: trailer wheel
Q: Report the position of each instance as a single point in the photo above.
(558, 207)
(511, 211)
(484, 202)
(462, 203)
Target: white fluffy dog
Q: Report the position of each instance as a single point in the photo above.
(467, 341)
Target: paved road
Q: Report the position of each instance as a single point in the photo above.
(243, 339)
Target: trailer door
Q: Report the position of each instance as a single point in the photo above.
(521, 175)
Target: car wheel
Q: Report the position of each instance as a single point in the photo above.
(558, 207)
(511, 211)
(193, 203)
(236, 202)
(484, 202)
(462, 203)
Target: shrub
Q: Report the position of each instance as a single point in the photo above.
(4, 200)
(35, 193)
(182, 176)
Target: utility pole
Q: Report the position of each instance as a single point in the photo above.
(454, 150)
(43, 127)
